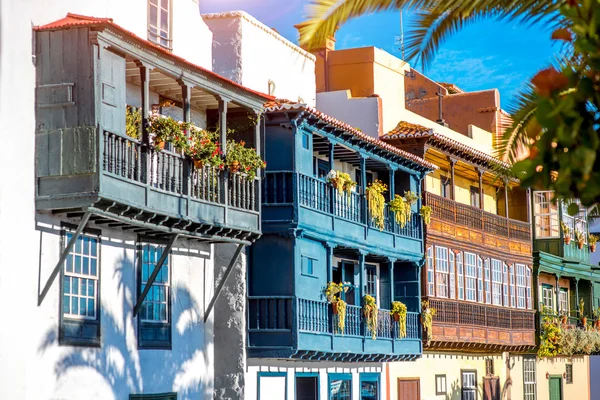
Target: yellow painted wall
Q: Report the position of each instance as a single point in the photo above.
(462, 190)
(578, 390)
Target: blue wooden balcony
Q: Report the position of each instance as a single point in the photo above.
(129, 184)
(297, 200)
(293, 327)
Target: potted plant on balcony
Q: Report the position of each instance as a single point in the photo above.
(566, 232)
(592, 240)
(564, 318)
(399, 206)
(243, 159)
(164, 129)
(341, 181)
(204, 149)
(579, 239)
(338, 306)
(370, 312)
(596, 315)
(550, 338)
(426, 214)
(582, 316)
(376, 202)
(411, 197)
(427, 314)
(133, 122)
(399, 314)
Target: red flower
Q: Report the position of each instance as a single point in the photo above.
(247, 168)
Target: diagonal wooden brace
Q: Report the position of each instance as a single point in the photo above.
(223, 280)
(63, 256)
(155, 272)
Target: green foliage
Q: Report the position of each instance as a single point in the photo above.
(247, 158)
(400, 309)
(401, 209)
(427, 315)
(204, 147)
(332, 293)
(371, 312)
(426, 214)
(133, 122)
(550, 338)
(376, 202)
(341, 181)
(165, 129)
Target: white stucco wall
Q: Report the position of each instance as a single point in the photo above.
(361, 112)
(252, 54)
(273, 391)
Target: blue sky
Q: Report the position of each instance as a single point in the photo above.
(489, 54)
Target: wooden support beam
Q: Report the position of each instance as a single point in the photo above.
(63, 256)
(238, 250)
(155, 272)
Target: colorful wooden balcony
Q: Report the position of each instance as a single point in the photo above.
(460, 324)
(293, 327)
(302, 201)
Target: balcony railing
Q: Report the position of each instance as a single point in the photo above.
(277, 313)
(131, 160)
(472, 217)
(462, 313)
(322, 196)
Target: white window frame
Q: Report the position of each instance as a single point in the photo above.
(563, 300)
(505, 294)
(156, 33)
(545, 215)
(470, 276)
(441, 271)
(528, 285)
(521, 286)
(529, 381)
(459, 275)
(78, 255)
(547, 297)
(480, 295)
(430, 272)
(513, 288)
(451, 272)
(496, 282)
(468, 385)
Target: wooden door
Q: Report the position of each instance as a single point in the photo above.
(409, 389)
(555, 388)
(491, 388)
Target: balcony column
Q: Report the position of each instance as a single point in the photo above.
(363, 182)
(258, 147)
(557, 276)
(480, 176)
(392, 186)
(186, 95)
(577, 294)
(452, 162)
(329, 250)
(506, 198)
(331, 190)
(391, 262)
(331, 154)
(361, 278)
(145, 92)
(223, 102)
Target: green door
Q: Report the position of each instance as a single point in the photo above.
(555, 388)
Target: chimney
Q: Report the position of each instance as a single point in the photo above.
(321, 52)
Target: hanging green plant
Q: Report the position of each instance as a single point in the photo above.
(338, 306)
(370, 312)
(399, 312)
(427, 314)
(133, 122)
(398, 205)
(376, 202)
(426, 214)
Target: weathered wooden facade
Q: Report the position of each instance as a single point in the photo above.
(478, 275)
(314, 235)
(87, 166)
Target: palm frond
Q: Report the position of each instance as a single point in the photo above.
(325, 16)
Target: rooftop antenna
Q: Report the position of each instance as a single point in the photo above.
(400, 38)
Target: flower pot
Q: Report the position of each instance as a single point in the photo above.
(584, 321)
(334, 308)
(567, 240)
(396, 317)
(160, 145)
(563, 320)
(597, 324)
(198, 164)
(580, 245)
(334, 183)
(593, 248)
(234, 166)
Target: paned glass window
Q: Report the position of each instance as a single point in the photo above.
(563, 300)
(528, 283)
(546, 215)
(441, 270)
(569, 373)
(529, 378)
(474, 191)
(469, 385)
(430, 278)
(548, 297)
(308, 265)
(159, 22)
(371, 272)
(513, 299)
(496, 282)
(521, 286)
(480, 280)
(470, 277)
(488, 279)
(459, 275)
(445, 187)
(451, 274)
(369, 386)
(505, 285)
(340, 388)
